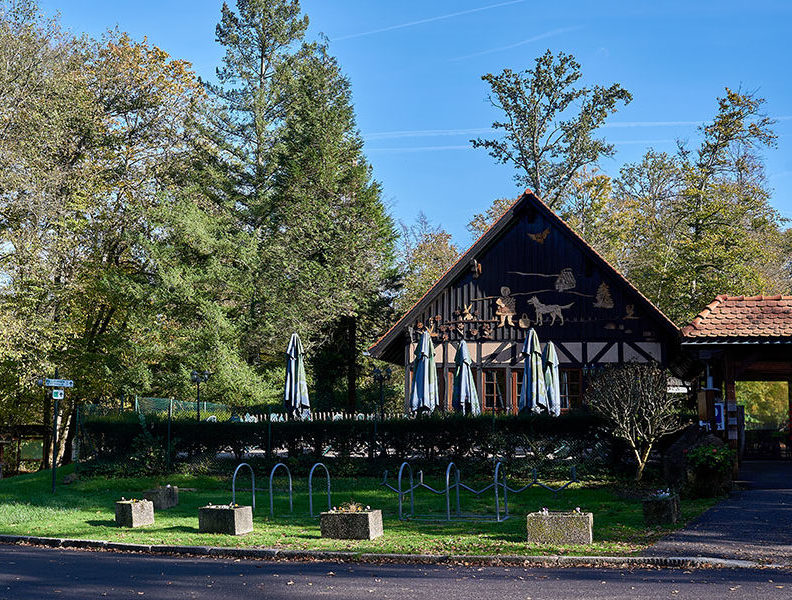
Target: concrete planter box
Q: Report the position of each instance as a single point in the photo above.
(163, 497)
(230, 520)
(661, 511)
(560, 528)
(137, 513)
(363, 525)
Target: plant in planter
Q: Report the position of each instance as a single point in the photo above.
(134, 513)
(560, 528)
(351, 521)
(230, 519)
(661, 508)
(709, 469)
(163, 497)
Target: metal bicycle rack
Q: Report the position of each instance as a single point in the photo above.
(252, 483)
(291, 487)
(291, 499)
(499, 484)
(310, 488)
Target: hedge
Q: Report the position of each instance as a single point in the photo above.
(575, 438)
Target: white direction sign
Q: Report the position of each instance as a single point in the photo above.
(57, 394)
(61, 383)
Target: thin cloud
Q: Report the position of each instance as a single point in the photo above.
(642, 142)
(429, 20)
(393, 135)
(415, 133)
(417, 149)
(535, 38)
(617, 124)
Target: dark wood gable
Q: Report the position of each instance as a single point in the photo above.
(531, 270)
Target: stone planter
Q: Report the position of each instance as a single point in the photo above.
(134, 513)
(230, 520)
(707, 483)
(560, 528)
(163, 497)
(362, 525)
(661, 511)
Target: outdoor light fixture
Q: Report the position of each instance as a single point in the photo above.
(381, 377)
(199, 377)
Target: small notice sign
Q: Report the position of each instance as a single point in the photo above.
(57, 394)
(62, 383)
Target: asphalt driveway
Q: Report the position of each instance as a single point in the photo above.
(754, 523)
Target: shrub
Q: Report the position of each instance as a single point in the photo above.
(708, 457)
(634, 400)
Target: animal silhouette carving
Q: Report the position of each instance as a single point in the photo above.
(540, 237)
(554, 310)
(467, 312)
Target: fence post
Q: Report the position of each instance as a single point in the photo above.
(77, 439)
(54, 443)
(269, 433)
(168, 447)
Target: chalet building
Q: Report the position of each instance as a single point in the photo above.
(530, 269)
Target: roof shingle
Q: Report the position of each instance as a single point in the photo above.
(743, 316)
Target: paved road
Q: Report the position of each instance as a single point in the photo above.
(28, 573)
(752, 524)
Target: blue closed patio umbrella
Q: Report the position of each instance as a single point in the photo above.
(533, 396)
(295, 396)
(465, 398)
(424, 394)
(552, 386)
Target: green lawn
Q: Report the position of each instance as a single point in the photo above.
(85, 509)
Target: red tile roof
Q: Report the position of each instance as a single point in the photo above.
(743, 317)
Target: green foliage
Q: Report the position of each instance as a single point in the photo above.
(766, 404)
(555, 443)
(708, 457)
(151, 228)
(549, 123)
(427, 252)
(481, 222)
(689, 226)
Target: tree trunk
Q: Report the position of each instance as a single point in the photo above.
(351, 359)
(65, 422)
(47, 440)
(642, 458)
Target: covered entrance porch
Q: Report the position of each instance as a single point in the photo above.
(742, 342)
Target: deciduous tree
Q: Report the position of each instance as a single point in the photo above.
(549, 123)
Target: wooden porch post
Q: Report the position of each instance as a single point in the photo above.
(480, 375)
(789, 395)
(446, 396)
(407, 376)
(730, 401)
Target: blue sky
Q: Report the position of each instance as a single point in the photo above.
(416, 67)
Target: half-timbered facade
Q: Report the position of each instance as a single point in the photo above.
(530, 269)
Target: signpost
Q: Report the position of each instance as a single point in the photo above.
(57, 394)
